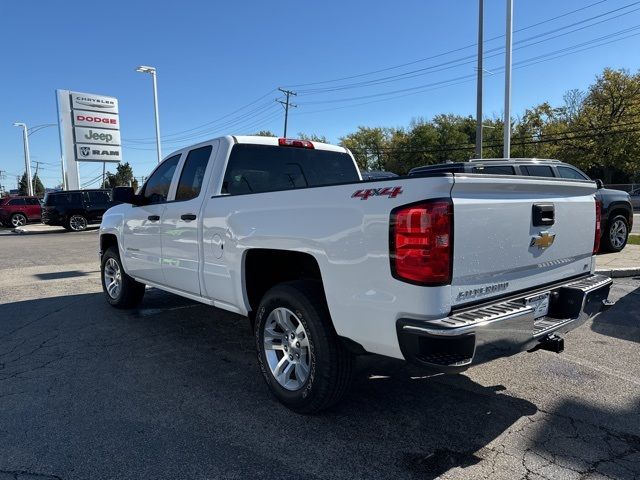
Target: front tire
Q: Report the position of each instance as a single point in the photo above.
(120, 289)
(305, 365)
(617, 234)
(18, 220)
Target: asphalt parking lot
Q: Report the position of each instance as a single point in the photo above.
(172, 390)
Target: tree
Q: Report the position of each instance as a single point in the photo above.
(312, 138)
(122, 178)
(368, 146)
(265, 133)
(604, 137)
(38, 187)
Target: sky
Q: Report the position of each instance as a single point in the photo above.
(358, 63)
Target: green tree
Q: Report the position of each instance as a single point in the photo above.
(602, 136)
(38, 187)
(312, 137)
(265, 133)
(122, 177)
(369, 146)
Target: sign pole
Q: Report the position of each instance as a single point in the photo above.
(507, 82)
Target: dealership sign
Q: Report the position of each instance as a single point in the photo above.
(89, 131)
(98, 153)
(82, 118)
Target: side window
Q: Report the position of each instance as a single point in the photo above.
(537, 170)
(33, 201)
(17, 201)
(192, 174)
(567, 172)
(98, 198)
(156, 189)
(495, 170)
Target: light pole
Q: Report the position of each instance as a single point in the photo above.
(479, 80)
(27, 160)
(152, 71)
(507, 82)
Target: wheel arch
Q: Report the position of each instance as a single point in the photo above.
(263, 268)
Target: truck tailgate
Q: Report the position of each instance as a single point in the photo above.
(503, 239)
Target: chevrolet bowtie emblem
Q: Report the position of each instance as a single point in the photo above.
(543, 240)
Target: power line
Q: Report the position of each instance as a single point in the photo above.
(170, 135)
(432, 57)
(469, 59)
(466, 78)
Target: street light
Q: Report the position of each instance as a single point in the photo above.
(27, 161)
(152, 71)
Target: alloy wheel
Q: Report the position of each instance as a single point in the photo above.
(286, 347)
(618, 234)
(112, 278)
(77, 223)
(18, 220)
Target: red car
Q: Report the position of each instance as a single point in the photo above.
(18, 211)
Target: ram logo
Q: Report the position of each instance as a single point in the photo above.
(85, 151)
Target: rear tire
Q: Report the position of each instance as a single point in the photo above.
(617, 234)
(76, 223)
(301, 307)
(120, 289)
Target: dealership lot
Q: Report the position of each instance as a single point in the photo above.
(172, 390)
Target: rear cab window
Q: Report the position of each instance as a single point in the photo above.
(266, 168)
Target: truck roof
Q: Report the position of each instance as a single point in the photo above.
(259, 140)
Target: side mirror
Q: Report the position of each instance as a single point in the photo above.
(599, 183)
(126, 195)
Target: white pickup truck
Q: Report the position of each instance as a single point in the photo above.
(446, 271)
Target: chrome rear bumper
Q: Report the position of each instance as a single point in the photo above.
(501, 328)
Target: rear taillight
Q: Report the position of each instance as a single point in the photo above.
(598, 234)
(291, 142)
(421, 242)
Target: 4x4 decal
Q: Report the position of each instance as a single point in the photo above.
(390, 192)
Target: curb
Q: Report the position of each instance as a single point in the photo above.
(619, 272)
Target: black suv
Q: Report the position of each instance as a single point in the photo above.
(75, 209)
(617, 212)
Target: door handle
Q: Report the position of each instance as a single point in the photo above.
(543, 214)
(154, 218)
(188, 217)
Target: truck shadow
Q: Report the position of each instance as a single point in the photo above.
(176, 382)
(621, 320)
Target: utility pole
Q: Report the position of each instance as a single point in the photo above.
(104, 166)
(286, 103)
(35, 176)
(507, 82)
(480, 74)
(27, 161)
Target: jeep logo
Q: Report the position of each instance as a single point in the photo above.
(91, 135)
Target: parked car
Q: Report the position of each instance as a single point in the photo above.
(75, 209)
(635, 198)
(445, 271)
(18, 211)
(617, 211)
